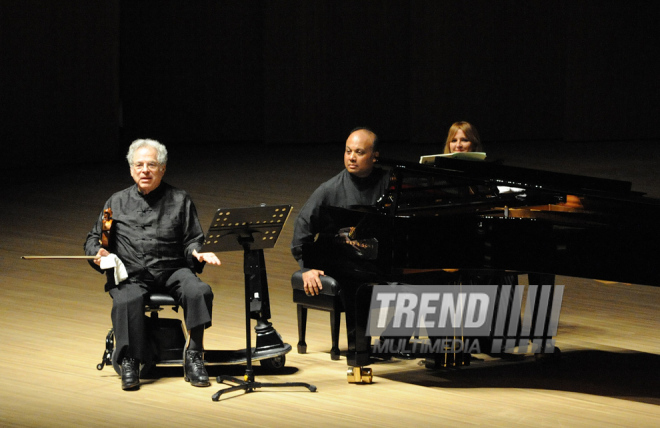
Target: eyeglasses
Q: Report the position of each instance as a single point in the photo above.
(151, 166)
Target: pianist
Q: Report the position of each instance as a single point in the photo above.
(463, 137)
(360, 183)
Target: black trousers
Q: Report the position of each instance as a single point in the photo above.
(128, 301)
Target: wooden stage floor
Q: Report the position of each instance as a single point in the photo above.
(54, 314)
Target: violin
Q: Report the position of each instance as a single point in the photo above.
(107, 239)
(107, 229)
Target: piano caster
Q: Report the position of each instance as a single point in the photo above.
(359, 375)
(432, 364)
(549, 357)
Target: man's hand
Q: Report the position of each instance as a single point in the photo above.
(312, 282)
(209, 258)
(102, 253)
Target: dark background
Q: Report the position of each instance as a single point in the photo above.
(81, 79)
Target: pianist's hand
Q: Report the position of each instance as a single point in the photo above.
(312, 282)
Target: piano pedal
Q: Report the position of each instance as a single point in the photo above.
(359, 375)
(448, 361)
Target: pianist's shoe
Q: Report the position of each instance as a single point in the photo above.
(193, 368)
(130, 373)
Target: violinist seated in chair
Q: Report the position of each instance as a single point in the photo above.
(154, 244)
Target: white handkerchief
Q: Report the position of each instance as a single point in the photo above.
(112, 261)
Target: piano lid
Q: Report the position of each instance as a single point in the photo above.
(494, 173)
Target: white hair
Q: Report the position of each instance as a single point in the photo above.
(161, 151)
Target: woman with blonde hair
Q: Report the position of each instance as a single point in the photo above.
(463, 137)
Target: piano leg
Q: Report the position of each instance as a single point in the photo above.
(541, 278)
(356, 299)
(539, 343)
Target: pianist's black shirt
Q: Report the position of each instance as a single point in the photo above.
(343, 190)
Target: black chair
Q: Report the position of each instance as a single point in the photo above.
(167, 335)
(329, 300)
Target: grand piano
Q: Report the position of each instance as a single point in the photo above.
(485, 222)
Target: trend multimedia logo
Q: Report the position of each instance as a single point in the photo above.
(460, 318)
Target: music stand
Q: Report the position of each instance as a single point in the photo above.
(252, 230)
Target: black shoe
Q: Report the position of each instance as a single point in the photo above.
(130, 373)
(193, 368)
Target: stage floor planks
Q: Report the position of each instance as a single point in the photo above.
(54, 317)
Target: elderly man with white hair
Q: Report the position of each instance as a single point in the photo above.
(157, 237)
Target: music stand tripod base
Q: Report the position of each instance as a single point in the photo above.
(231, 357)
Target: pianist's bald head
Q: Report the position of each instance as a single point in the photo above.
(360, 153)
(368, 132)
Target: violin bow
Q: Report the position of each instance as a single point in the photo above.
(106, 236)
(61, 257)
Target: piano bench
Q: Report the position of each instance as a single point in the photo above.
(328, 300)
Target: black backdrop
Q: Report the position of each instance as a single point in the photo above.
(81, 79)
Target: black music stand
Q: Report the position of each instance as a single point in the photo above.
(252, 230)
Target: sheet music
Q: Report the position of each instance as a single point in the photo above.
(430, 159)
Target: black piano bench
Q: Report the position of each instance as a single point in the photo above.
(328, 300)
